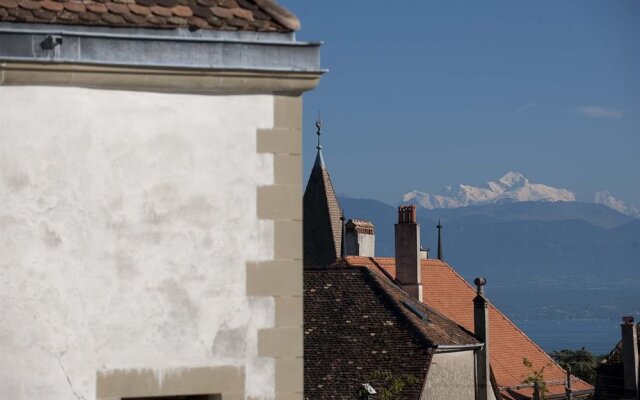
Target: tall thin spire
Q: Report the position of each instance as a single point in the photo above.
(439, 226)
(322, 225)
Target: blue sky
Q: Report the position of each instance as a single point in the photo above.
(425, 94)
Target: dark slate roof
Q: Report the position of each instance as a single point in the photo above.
(249, 15)
(360, 327)
(322, 224)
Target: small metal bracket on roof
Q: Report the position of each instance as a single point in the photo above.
(51, 42)
(416, 311)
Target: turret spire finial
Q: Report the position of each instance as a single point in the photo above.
(318, 130)
(319, 159)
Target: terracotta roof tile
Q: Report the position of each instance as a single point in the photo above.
(30, 5)
(89, 16)
(8, 4)
(447, 292)
(138, 9)
(231, 14)
(116, 8)
(98, 8)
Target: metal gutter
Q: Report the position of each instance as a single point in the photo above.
(441, 348)
(252, 51)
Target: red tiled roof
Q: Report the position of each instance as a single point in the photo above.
(447, 292)
(249, 15)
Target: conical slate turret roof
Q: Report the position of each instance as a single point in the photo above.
(322, 224)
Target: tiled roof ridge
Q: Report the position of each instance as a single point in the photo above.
(392, 284)
(429, 309)
(378, 287)
(330, 203)
(384, 271)
(334, 267)
(504, 317)
(249, 15)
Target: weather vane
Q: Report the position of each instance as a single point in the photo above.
(318, 131)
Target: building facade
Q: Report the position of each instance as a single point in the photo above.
(151, 228)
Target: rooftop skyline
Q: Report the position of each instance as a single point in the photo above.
(424, 95)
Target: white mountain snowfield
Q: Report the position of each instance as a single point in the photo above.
(607, 199)
(512, 187)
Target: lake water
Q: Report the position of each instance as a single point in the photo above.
(596, 335)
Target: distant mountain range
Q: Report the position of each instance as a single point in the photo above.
(511, 188)
(553, 258)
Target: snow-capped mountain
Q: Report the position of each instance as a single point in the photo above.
(512, 187)
(606, 199)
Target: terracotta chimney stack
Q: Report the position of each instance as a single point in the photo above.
(481, 330)
(408, 273)
(630, 356)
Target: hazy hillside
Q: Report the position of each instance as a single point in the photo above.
(542, 260)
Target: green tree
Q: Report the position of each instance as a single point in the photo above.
(582, 362)
(536, 375)
(390, 386)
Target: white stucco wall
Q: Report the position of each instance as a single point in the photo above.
(367, 245)
(451, 376)
(360, 244)
(126, 221)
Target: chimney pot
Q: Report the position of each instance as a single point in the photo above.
(630, 355)
(407, 214)
(480, 282)
(481, 330)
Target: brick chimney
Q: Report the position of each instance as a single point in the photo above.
(408, 274)
(481, 330)
(630, 356)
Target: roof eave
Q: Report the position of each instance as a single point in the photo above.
(154, 48)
